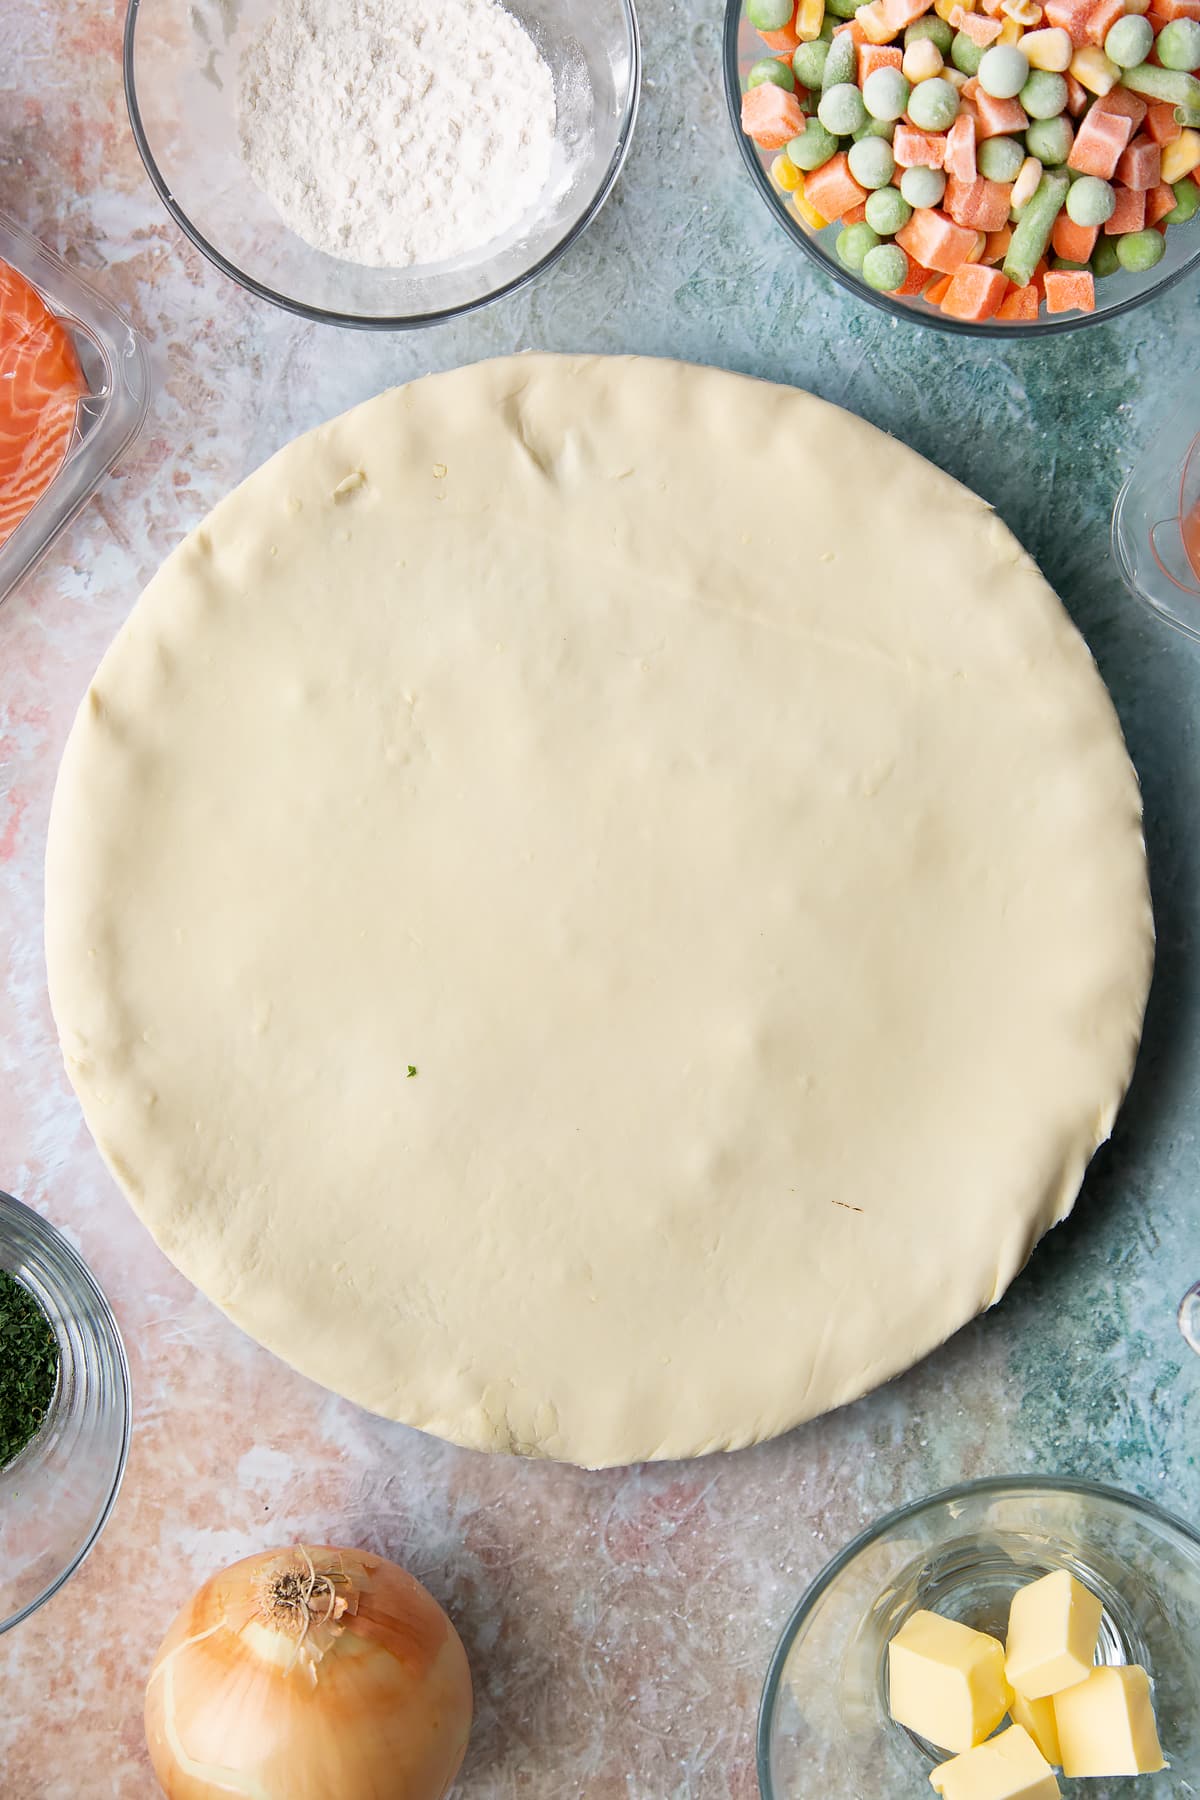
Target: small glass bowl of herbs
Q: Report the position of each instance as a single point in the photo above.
(64, 1411)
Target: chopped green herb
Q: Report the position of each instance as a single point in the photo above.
(28, 1366)
(412, 1069)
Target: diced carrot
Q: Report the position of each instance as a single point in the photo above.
(981, 31)
(916, 281)
(1078, 98)
(1074, 243)
(996, 248)
(959, 160)
(974, 293)
(936, 292)
(1140, 166)
(1159, 202)
(877, 56)
(997, 118)
(832, 189)
(857, 34)
(1179, 9)
(1129, 214)
(918, 149)
(872, 21)
(771, 116)
(933, 239)
(787, 38)
(856, 215)
(1019, 303)
(1103, 15)
(979, 205)
(1100, 143)
(900, 13)
(1161, 123)
(1072, 16)
(1123, 104)
(1070, 290)
(1156, 21)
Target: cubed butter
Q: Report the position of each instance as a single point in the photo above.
(1106, 1725)
(1037, 1717)
(1008, 1767)
(946, 1681)
(1052, 1630)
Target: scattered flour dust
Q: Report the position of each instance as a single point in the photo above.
(393, 132)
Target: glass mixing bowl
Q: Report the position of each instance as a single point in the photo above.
(824, 1726)
(1114, 294)
(180, 85)
(57, 1494)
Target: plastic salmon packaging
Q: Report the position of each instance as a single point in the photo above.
(74, 392)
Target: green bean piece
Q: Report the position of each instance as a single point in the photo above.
(1171, 85)
(1031, 234)
(841, 65)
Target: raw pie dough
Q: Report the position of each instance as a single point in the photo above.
(713, 804)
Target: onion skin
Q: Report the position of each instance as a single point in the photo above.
(382, 1713)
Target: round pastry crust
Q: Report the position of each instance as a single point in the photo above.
(598, 907)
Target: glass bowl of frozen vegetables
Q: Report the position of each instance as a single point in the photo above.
(1001, 167)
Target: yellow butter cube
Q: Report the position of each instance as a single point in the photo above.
(1106, 1725)
(810, 16)
(1095, 71)
(946, 1681)
(1009, 1767)
(1181, 157)
(1052, 1632)
(1050, 49)
(1037, 1718)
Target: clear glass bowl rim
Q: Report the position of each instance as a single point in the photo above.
(936, 320)
(397, 321)
(997, 1485)
(40, 1227)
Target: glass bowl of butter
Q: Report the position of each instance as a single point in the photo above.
(825, 1724)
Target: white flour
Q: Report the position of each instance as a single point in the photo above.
(393, 132)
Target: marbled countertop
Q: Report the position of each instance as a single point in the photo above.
(618, 1624)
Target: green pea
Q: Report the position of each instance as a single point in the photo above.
(1178, 45)
(933, 28)
(885, 268)
(871, 162)
(1050, 141)
(877, 128)
(814, 146)
(966, 54)
(1129, 41)
(924, 187)
(885, 93)
(1000, 158)
(1044, 95)
(888, 211)
(827, 30)
(841, 65)
(1138, 251)
(843, 9)
(1105, 260)
(841, 109)
(1003, 71)
(853, 243)
(769, 68)
(934, 105)
(1090, 201)
(769, 15)
(1187, 203)
(808, 63)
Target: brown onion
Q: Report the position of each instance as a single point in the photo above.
(308, 1674)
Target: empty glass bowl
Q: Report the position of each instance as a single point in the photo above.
(1156, 522)
(57, 1494)
(1114, 294)
(824, 1726)
(181, 68)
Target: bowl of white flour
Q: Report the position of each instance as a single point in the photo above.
(384, 163)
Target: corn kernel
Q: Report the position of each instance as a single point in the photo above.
(980, 246)
(922, 61)
(1026, 12)
(810, 16)
(808, 212)
(1051, 49)
(1011, 32)
(955, 77)
(943, 8)
(1026, 184)
(785, 174)
(1181, 157)
(1095, 71)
